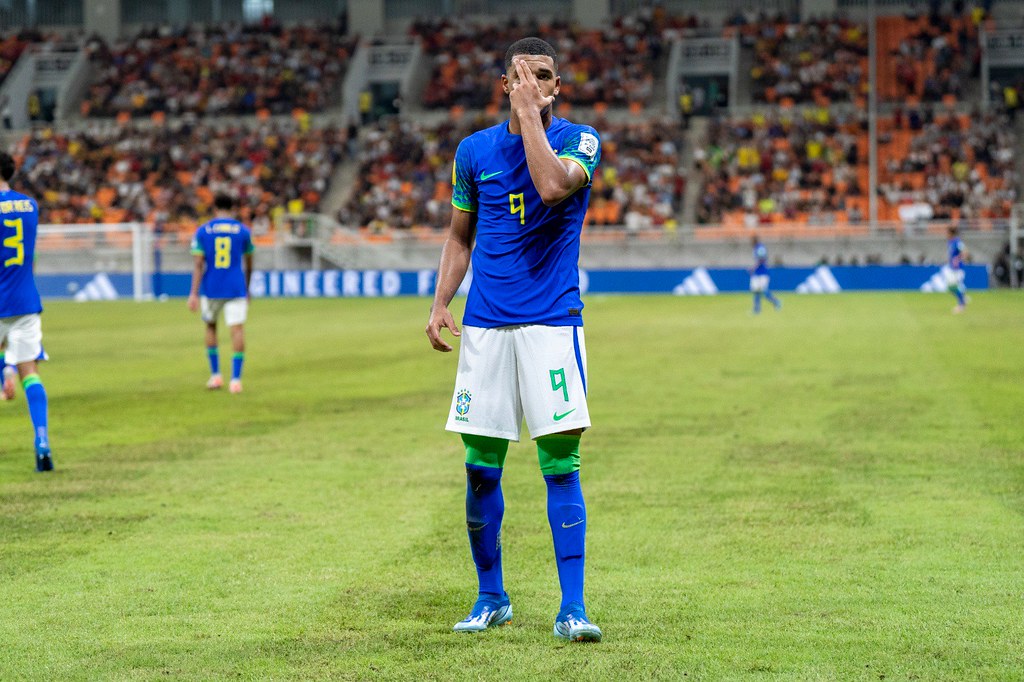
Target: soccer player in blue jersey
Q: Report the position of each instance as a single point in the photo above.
(520, 192)
(222, 249)
(759, 277)
(955, 275)
(21, 330)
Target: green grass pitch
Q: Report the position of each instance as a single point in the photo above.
(831, 492)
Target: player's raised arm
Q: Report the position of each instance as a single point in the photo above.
(555, 179)
(450, 273)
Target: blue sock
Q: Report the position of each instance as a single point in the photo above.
(771, 299)
(567, 515)
(236, 365)
(757, 302)
(485, 507)
(959, 291)
(35, 396)
(214, 355)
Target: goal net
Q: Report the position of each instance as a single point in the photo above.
(95, 262)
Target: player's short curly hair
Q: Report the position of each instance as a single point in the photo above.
(224, 202)
(529, 45)
(7, 166)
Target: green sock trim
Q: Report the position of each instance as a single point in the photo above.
(30, 380)
(238, 355)
(485, 451)
(558, 454)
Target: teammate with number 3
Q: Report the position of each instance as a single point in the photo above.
(222, 249)
(21, 331)
(520, 192)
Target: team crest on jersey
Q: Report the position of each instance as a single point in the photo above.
(588, 144)
(462, 400)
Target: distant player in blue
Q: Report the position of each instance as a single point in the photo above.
(222, 250)
(521, 191)
(955, 274)
(759, 277)
(21, 331)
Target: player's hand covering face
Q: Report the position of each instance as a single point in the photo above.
(533, 84)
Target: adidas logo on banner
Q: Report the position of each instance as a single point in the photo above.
(99, 288)
(821, 281)
(697, 284)
(939, 282)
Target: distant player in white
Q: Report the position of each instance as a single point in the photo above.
(521, 191)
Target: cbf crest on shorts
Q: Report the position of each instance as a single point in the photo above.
(462, 400)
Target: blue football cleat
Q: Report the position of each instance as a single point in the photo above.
(488, 612)
(572, 624)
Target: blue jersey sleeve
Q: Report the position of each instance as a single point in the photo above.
(464, 191)
(582, 144)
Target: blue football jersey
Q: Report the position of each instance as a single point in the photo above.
(761, 259)
(19, 221)
(223, 242)
(526, 256)
(956, 250)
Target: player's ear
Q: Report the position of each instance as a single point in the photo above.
(505, 84)
(558, 85)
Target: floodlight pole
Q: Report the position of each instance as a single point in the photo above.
(872, 118)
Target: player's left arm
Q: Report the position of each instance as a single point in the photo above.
(247, 263)
(198, 266)
(555, 178)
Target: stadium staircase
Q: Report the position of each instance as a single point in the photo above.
(696, 135)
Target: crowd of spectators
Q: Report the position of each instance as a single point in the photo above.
(220, 69)
(817, 61)
(405, 170)
(948, 166)
(788, 166)
(614, 65)
(169, 173)
(404, 177)
(11, 47)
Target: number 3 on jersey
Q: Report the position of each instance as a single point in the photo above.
(17, 242)
(222, 253)
(516, 204)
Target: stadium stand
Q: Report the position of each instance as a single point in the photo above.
(805, 166)
(947, 166)
(817, 61)
(220, 70)
(616, 65)
(169, 173)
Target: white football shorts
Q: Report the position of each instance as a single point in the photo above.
(954, 278)
(507, 373)
(759, 283)
(23, 337)
(236, 310)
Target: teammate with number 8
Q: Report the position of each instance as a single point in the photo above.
(521, 191)
(222, 249)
